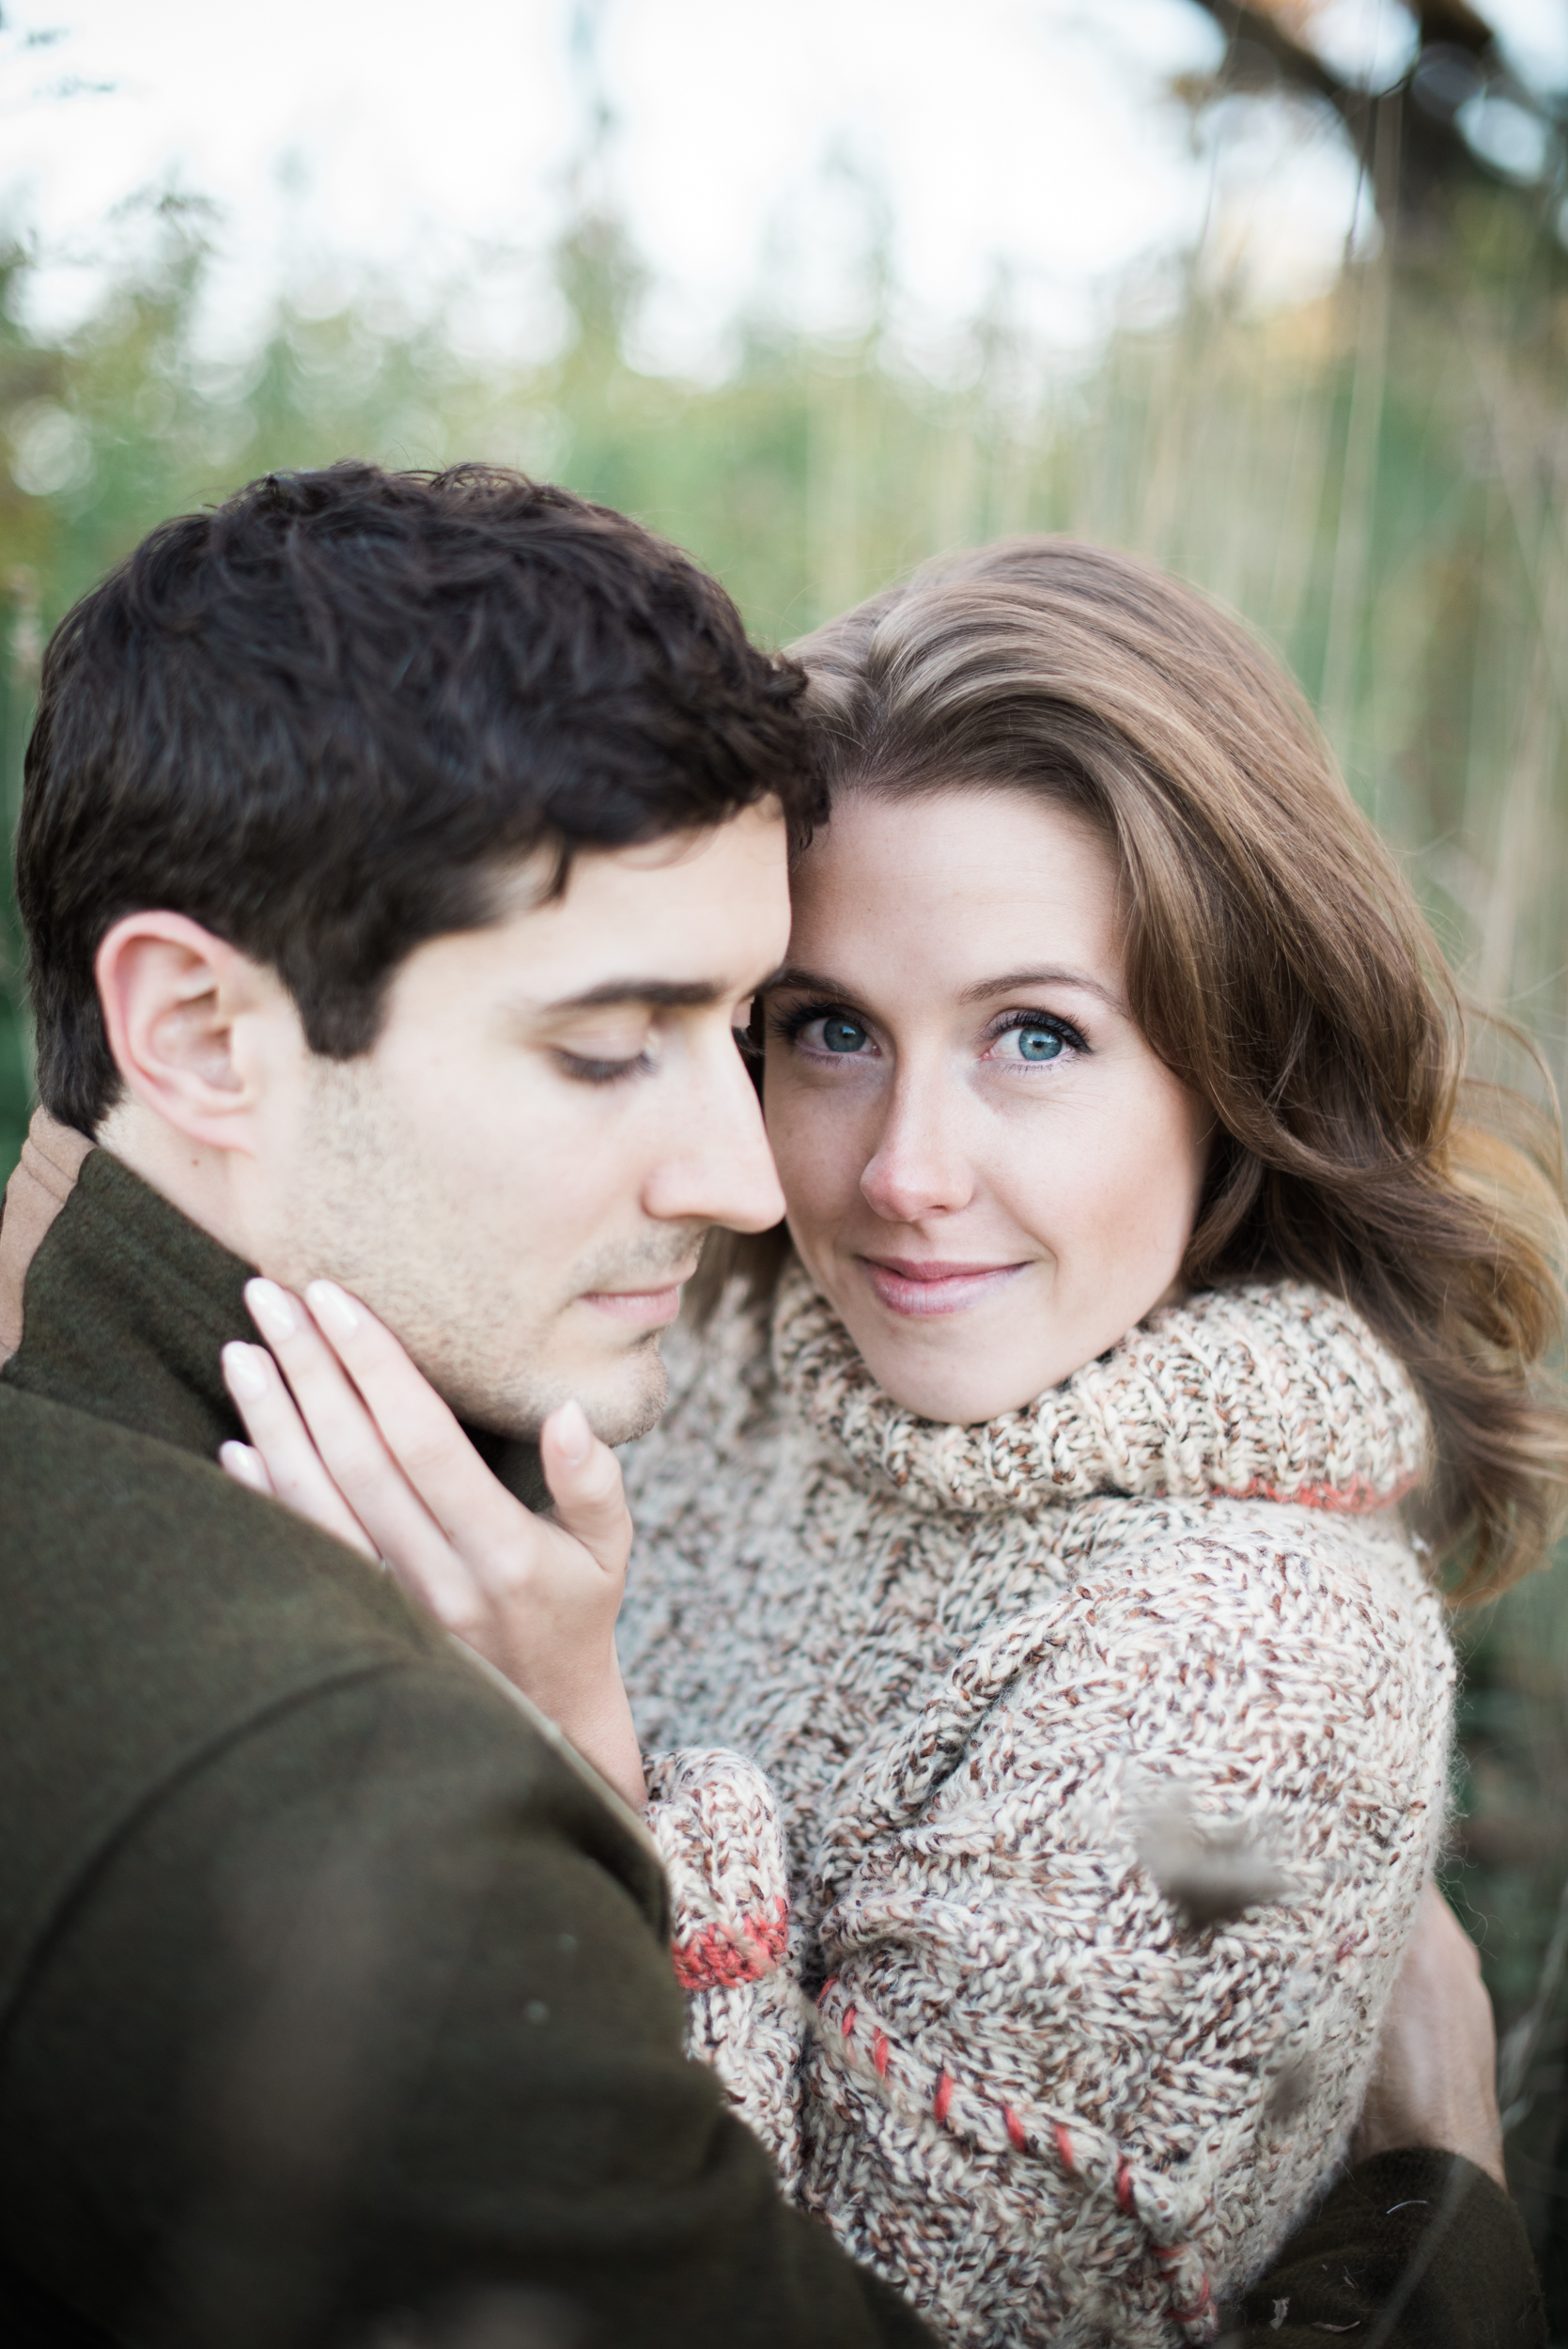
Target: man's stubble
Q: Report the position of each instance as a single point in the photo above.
(437, 1260)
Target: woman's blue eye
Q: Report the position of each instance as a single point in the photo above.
(843, 1035)
(1038, 1043)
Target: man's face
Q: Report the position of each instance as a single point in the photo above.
(518, 1175)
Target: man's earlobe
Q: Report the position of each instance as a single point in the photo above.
(180, 1008)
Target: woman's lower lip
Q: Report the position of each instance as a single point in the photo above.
(949, 1293)
(646, 1309)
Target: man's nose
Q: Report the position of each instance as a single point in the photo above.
(919, 1167)
(718, 1168)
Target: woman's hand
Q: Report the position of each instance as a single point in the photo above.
(359, 1443)
(1435, 2078)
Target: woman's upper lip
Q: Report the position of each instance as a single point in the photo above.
(933, 1268)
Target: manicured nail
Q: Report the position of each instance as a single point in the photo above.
(332, 1309)
(574, 1438)
(241, 1463)
(272, 1311)
(246, 1378)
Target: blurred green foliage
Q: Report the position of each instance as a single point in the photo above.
(1379, 482)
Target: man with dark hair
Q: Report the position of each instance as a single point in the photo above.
(397, 854)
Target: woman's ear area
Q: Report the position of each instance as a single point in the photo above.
(185, 1015)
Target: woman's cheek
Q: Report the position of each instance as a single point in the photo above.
(1134, 1223)
(813, 1149)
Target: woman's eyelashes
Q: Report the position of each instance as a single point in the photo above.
(827, 1033)
(1034, 1039)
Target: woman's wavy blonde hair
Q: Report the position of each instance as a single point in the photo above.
(1277, 961)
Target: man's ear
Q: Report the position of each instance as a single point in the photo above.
(185, 1015)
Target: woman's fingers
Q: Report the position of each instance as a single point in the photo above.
(530, 1592)
(419, 1429)
(290, 1464)
(244, 1463)
(584, 1480)
(349, 1452)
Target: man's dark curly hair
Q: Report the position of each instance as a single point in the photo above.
(323, 718)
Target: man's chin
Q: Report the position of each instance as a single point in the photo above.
(624, 1391)
(629, 1419)
(621, 1402)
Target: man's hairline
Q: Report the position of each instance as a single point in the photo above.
(562, 855)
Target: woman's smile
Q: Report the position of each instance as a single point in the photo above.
(990, 1172)
(904, 1285)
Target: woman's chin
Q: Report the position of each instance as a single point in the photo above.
(938, 1382)
(957, 1368)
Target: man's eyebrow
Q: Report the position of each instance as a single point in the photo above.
(657, 994)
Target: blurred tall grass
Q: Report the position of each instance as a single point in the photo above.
(1377, 481)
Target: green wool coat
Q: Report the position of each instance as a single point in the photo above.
(334, 1997)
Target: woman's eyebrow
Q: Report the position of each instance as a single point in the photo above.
(809, 982)
(1052, 975)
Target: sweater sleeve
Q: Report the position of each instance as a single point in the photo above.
(715, 1820)
(1110, 1929)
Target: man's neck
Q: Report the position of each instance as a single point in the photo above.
(193, 1177)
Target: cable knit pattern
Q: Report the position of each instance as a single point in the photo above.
(1098, 1753)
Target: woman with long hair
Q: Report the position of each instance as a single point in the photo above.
(1039, 1606)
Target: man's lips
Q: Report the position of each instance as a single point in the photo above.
(934, 1285)
(644, 1309)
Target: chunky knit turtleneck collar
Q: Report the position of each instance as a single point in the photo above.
(1274, 1392)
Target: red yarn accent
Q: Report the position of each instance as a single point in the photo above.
(943, 2096)
(1064, 2147)
(1198, 2309)
(879, 2055)
(1123, 2189)
(822, 1994)
(1356, 1499)
(1015, 2129)
(849, 2020)
(720, 1955)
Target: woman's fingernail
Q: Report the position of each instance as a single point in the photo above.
(271, 1310)
(244, 1373)
(332, 1309)
(241, 1463)
(574, 1438)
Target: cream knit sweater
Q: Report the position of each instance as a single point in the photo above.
(1048, 1800)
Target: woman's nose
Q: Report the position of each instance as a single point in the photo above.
(919, 1168)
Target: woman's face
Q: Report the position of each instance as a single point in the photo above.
(988, 1172)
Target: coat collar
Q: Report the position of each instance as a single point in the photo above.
(128, 1305)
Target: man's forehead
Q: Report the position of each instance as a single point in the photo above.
(675, 924)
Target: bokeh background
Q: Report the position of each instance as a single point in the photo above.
(1275, 294)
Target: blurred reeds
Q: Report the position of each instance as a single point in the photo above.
(1377, 481)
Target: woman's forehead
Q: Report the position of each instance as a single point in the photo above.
(959, 877)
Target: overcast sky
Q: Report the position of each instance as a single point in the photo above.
(755, 154)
